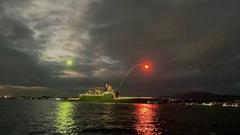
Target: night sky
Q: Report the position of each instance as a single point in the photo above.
(61, 47)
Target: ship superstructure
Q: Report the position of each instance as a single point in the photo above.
(100, 94)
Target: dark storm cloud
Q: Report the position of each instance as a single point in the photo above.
(178, 30)
(18, 68)
(193, 45)
(29, 39)
(193, 41)
(19, 54)
(16, 35)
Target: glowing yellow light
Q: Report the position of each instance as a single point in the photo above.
(69, 62)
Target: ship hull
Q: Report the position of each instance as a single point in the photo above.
(108, 98)
(92, 98)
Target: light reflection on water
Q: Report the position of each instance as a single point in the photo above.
(64, 117)
(144, 115)
(145, 119)
(74, 118)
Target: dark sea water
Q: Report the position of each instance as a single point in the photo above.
(72, 118)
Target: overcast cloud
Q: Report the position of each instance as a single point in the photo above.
(193, 45)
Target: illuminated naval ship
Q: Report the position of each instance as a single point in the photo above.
(100, 94)
(109, 95)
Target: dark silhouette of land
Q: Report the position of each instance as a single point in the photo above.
(206, 96)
